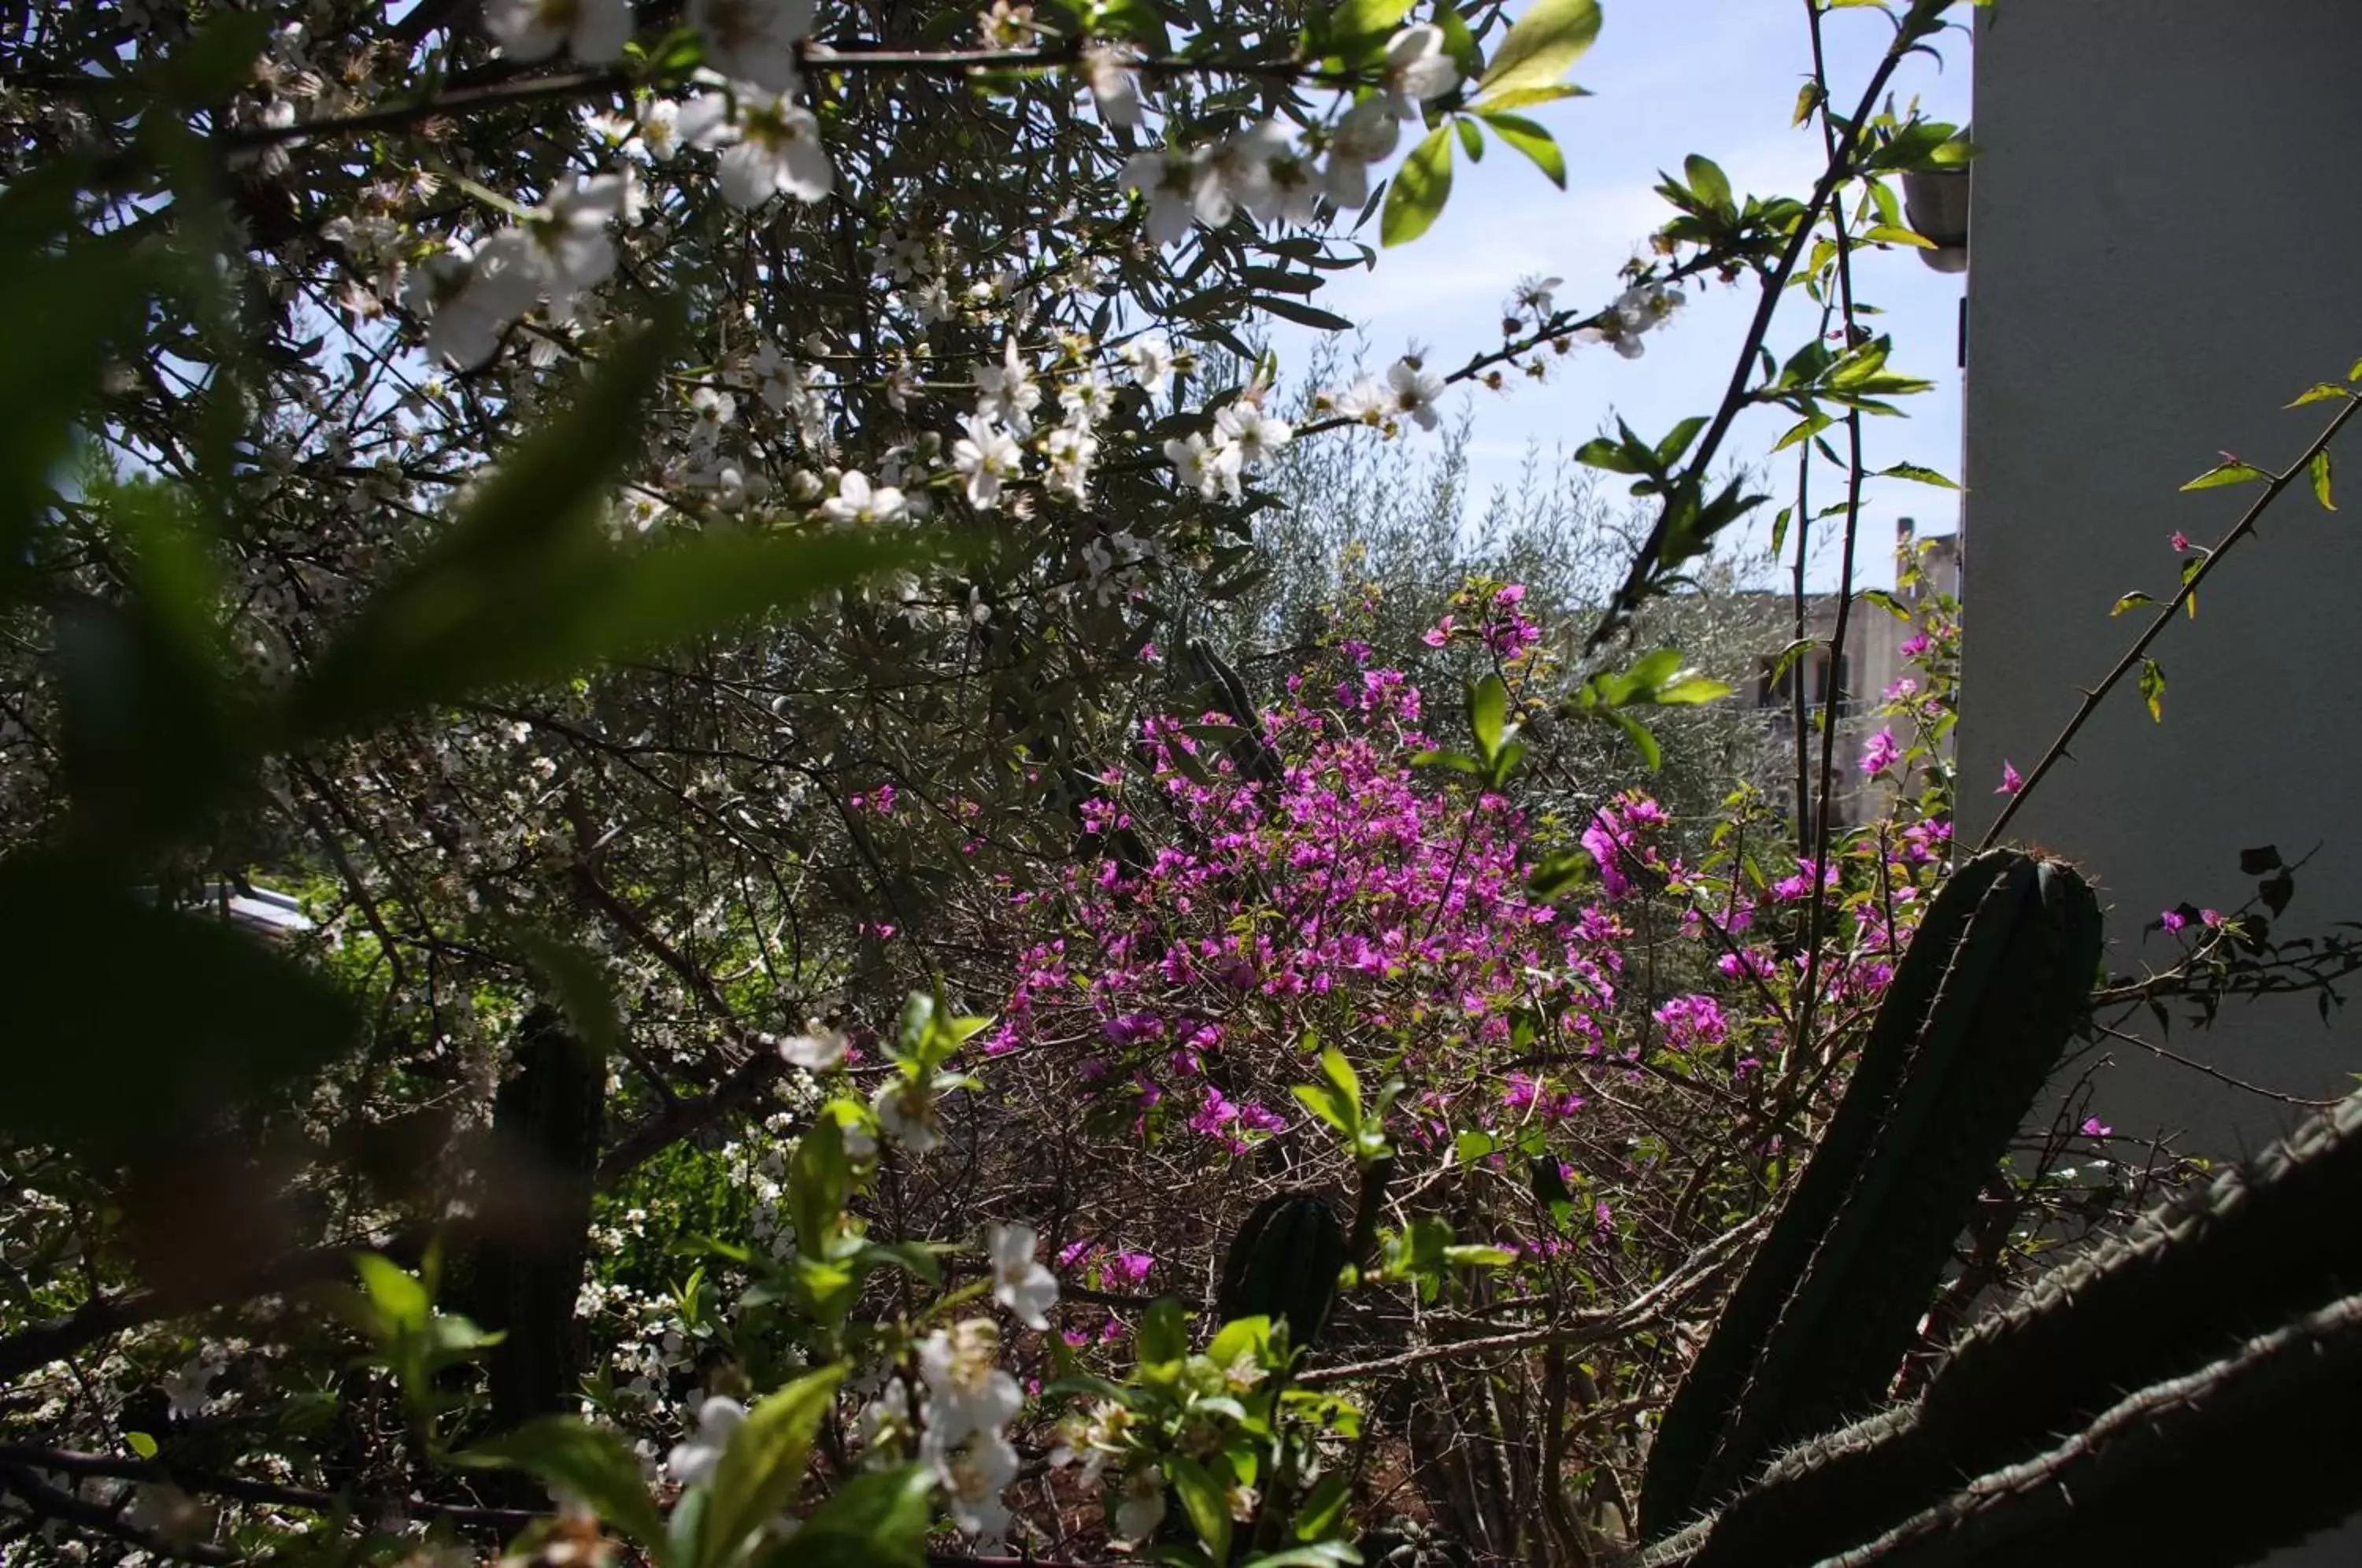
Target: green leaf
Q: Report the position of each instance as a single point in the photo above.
(1207, 1502)
(581, 984)
(2319, 391)
(1917, 475)
(1343, 1078)
(2132, 601)
(1601, 453)
(399, 1296)
(69, 309)
(764, 1465)
(1641, 737)
(879, 1517)
(1322, 1511)
(1240, 1336)
(1313, 1554)
(1358, 30)
(526, 587)
(1138, 20)
(140, 1443)
(218, 59)
(1688, 693)
(1479, 1257)
(1471, 141)
(1301, 314)
(1808, 98)
(1533, 141)
(1164, 1333)
(1557, 872)
(1420, 188)
(1526, 97)
(1707, 182)
(1894, 234)
(1542, 46)
(188, 1015)
(2152, 688)
(1321, 1101)
(1488, 707)
(592, 1463)
(2226, 473)
(2321, 479)
(819, 1181)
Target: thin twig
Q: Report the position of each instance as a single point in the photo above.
(2242, 530)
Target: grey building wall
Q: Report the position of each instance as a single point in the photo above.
(2167, 214)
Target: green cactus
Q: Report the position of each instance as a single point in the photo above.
(1978, 1013)
(1283, 1265)
(2213, 1353)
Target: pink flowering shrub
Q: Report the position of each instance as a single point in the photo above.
(1570, 1062)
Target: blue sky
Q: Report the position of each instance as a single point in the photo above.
(1671, 77)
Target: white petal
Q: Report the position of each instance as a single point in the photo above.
(749, 175)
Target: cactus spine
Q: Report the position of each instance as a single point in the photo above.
(1979, 1011)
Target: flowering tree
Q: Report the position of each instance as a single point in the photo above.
(679, 535)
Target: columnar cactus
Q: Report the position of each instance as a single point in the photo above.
(1991, 987)
(1283, 1265)
(2185, 1395)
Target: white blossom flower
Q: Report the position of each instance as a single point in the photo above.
(1417, 70)
(770, 148)
(1086, 400)
(1637, 310)
(1256, 435)
(1092, 1437)
(1111, 72)
(906, 1111)
(819, 1047)
(1005, 23)
(856, 502)
(1169, 179)
(185, 1389)
(1018, 1281)
(1365, 400)
(1211, 470)
(1142, 1507)
(985, 456)
(933, 301)
(967, 1390)
(753, 40)
(1235, 172)
(1368, 134)
(1008, 393)
(973, 1479)
(660, 128)
(1291, 189)
(1538, 295)
(470, 295)
(891, 1419)
(710, 408)
(1070, 452)
(1151, 359)
(1415, 388)
(570, 248)
(692, 1460)
(528, 30)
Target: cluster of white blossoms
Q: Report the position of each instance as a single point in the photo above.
(1276, 179)
(469, 294)
(1636, 312)
(767, 142)
(955, 1414)
(1409, 391)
